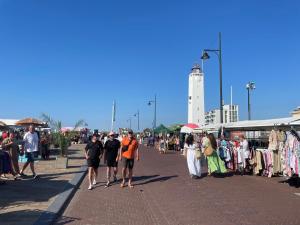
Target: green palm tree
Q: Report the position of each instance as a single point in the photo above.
(59, 138)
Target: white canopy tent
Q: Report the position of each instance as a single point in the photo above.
(186, 130)
(253, 124)
(9, 122)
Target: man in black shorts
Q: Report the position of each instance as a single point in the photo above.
(111, 156)
(93, 154)
(129, 151)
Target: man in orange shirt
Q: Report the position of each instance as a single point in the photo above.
(129, 151)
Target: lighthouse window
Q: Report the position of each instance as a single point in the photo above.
(190, 98)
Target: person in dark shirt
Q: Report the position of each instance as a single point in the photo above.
(93, 154)
(111, 156)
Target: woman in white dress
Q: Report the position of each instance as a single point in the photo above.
(193, 162)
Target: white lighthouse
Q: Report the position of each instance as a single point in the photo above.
(196, 96)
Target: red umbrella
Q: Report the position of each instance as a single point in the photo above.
(192, 125)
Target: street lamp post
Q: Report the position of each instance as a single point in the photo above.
(138, 118)
(250, 86)
(129, 120)
(155, 103)
(218, 52)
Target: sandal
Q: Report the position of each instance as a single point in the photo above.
(130, 186)
(122, 185)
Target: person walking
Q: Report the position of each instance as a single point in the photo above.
(244, 154)
(93, 154)
(11, 146)
(45, 141)
(193, 155)
(215, 164)
(129, 151)
(31, 144)
(111, 157)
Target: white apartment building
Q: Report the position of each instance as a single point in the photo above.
(230, 114)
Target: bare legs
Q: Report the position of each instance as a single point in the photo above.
(93, 173)
(124, 173)
(130, 178)
(108, 173)
(31, 167)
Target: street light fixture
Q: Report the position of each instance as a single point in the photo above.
(218, 52)
(129, 120)
(138, 118)
(250, 87)
(149, 104)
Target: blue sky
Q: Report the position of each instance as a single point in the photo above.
(72, 58)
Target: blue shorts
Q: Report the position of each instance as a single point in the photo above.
(30, 156)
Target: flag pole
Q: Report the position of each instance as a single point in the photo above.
(113, 115)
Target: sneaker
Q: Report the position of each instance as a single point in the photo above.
(107, 185)
(90, 187)
(23, 175)
(94, 182)
(35, 176)
(3, 177)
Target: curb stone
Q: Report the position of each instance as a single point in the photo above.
(61, 201)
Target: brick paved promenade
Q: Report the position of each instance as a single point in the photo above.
(23, 201)
(165, 194)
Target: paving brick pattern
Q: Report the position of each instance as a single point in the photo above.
(165, 194)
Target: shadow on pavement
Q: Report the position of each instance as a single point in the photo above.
(159, 179)
(52, 175)
(223, 175)
(23, 192)
(293, 182)
(65, 220)
(18, 217)
(141, 178)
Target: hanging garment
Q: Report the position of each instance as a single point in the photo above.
(258, 162)
(273, 140)
(281, 153)
(291, 155)
(276, 162)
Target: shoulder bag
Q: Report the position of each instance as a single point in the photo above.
(125, 147)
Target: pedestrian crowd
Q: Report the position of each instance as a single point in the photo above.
(22, 144)
(206, 150)
(112, 149)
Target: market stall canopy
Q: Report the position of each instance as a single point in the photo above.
(191, 125)
(263, 124)
(189, 128)
(30, 121)
(175, 127)
(67, 129)
(9, 122)
(255, 124)
(161, 129)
